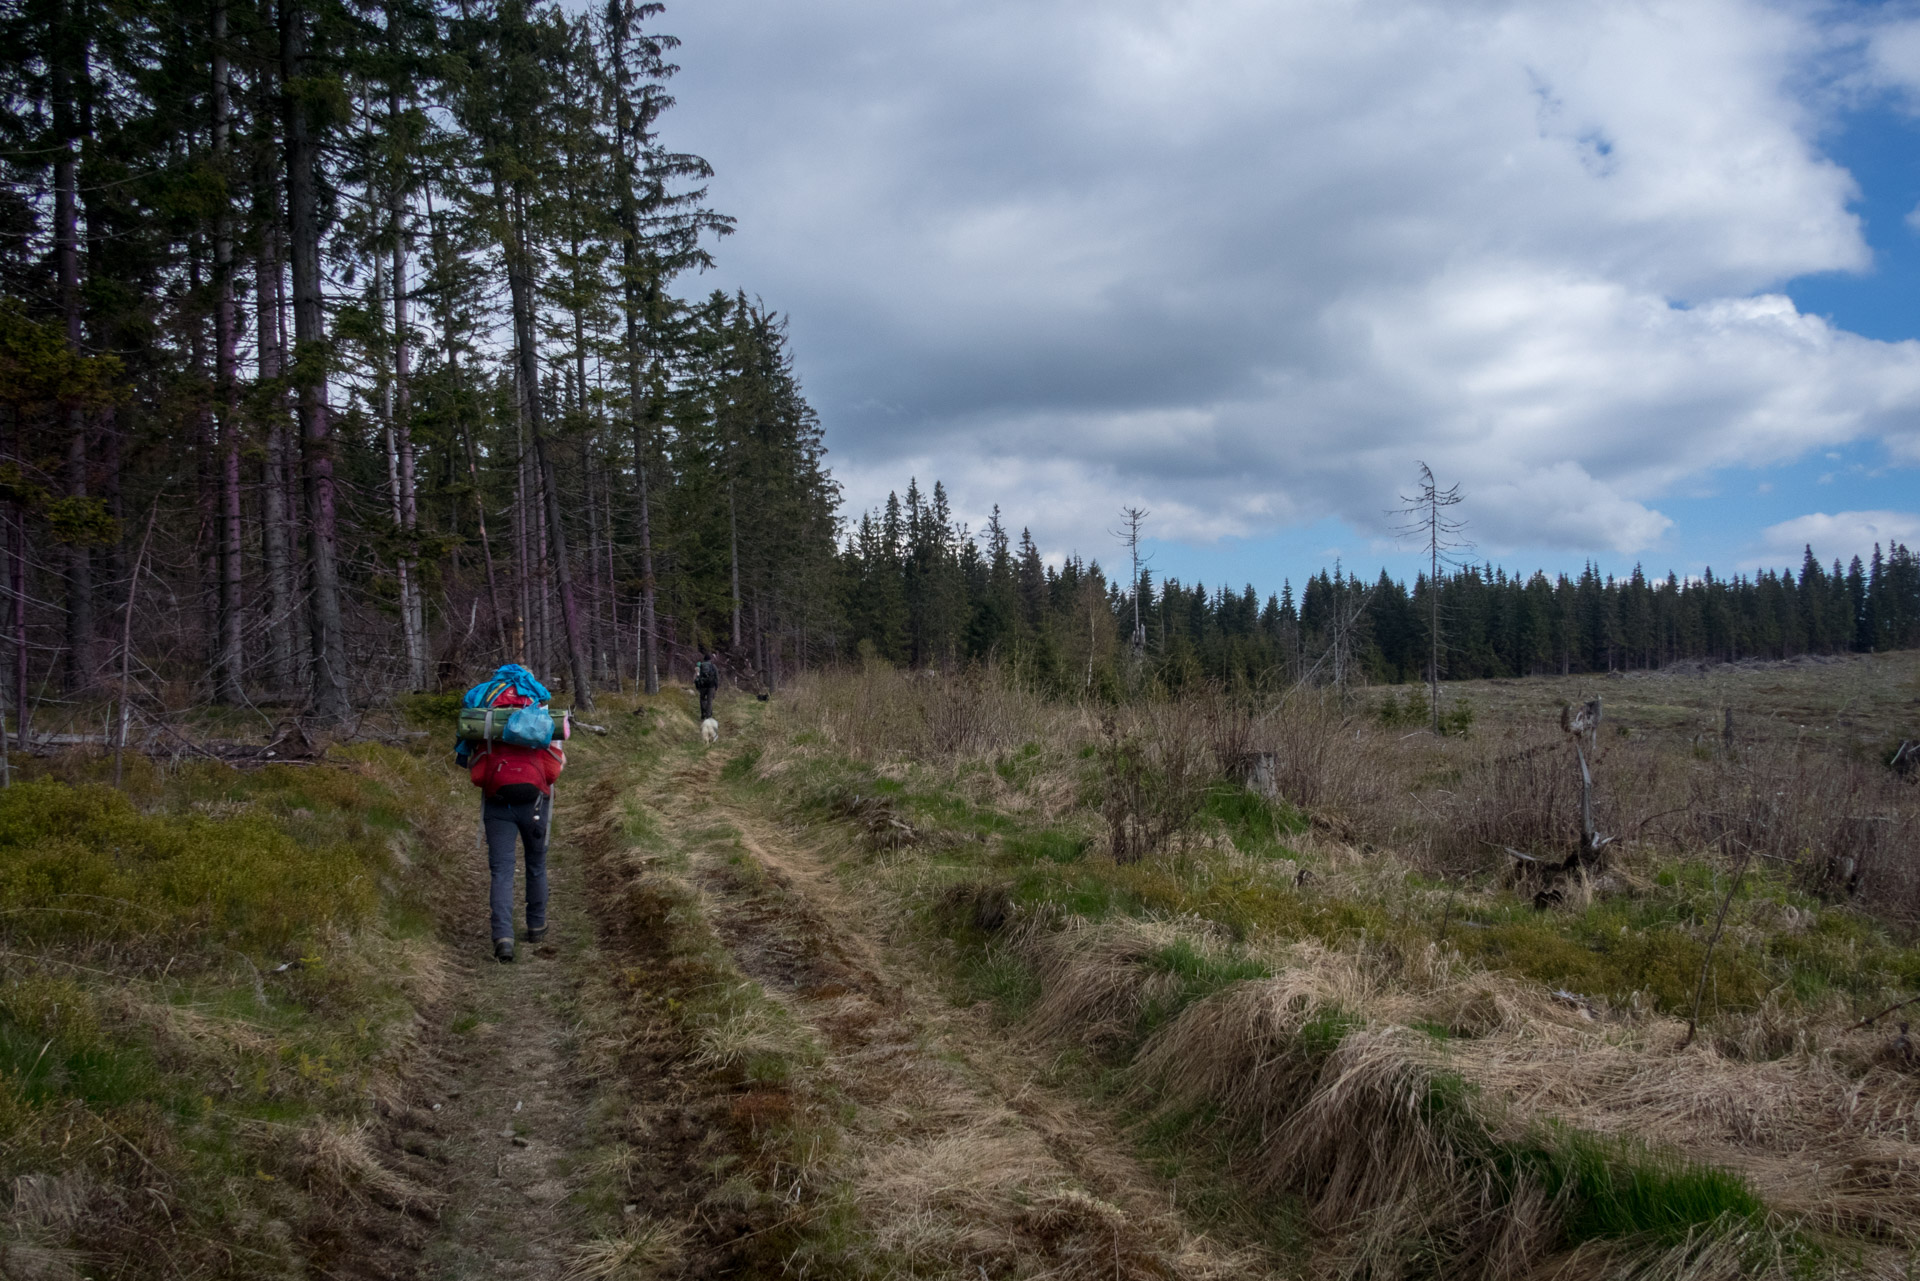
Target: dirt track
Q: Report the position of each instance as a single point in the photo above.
(569, 1120)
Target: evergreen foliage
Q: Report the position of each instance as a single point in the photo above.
(373, 307)
(920, 590)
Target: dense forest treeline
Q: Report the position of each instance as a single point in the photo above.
(340, 352)
(919, 590)
(349, 346)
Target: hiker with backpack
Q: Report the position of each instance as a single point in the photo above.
(706, 679)
(513, 754)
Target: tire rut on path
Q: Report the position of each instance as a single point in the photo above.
(513, 1105)
(491, 1114)
(960, 1159)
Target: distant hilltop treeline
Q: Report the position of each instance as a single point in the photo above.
(920, 591)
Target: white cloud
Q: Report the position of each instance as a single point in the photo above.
(1244, 262)
(1842, 536)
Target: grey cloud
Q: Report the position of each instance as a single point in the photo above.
(1244, 261)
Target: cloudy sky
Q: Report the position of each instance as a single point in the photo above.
(1642, 278)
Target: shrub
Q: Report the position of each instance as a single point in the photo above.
(1157, 767)
(1325, 762)
(436, 713)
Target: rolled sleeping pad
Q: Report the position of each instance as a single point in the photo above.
(489, 724)
(484, 724)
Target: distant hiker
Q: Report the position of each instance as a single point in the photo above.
(706, 679)
(513, 755)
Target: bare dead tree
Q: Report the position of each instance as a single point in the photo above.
(126, 642)
(1346, 619)
(1131, 518)
(1582, 725)
(1425, 515)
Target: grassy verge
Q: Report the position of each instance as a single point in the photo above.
(1261, 977)
(209, 975)
(1252, 867)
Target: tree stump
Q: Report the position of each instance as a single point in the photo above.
(1257, 772)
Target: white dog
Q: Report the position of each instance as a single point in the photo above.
(710, 730)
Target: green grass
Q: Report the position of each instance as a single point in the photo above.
(1049, 844)
(1019, 768)
(197, 953)
(1255, 824)
(52, 1048)
(741, 764)
(1200, 974)
(999, 978)
(1654, 943)
(1617, 1188)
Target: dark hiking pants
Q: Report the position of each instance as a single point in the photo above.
(706, 703)
(528, 823)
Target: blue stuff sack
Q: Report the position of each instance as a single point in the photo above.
(513, 677)
(529, 727)
(509, 677)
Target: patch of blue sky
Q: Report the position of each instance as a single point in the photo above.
(1878, 145)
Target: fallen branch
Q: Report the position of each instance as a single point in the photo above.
(1584, 1004)
(1871, 1019)
(226, 753)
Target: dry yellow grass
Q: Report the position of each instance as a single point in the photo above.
(340, 1159)
(645, 1249)
(1325, 1063)
(1378, 1068)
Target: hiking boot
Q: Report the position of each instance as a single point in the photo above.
(536, 935)
(503, 950)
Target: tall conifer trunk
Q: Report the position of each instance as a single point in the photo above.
(412, 607)
(640, 406)
(733, 545)
(520, 286)
(17, 590)
(649, 629)
(206, 452)
(522, 561)
(466, 438)
(229, 680)
(70, 59)
(275, 544)
(329, 689)
(636, 294)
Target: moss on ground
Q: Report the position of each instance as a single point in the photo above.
(197, 965)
